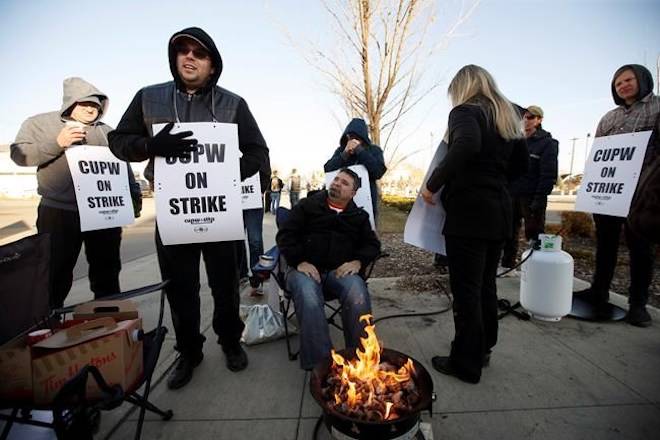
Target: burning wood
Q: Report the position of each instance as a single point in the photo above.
(368, 389)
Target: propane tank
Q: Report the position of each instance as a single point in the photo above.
(546, 280)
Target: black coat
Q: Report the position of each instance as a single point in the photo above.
(475, 174)
(317, 234)
(542, 173)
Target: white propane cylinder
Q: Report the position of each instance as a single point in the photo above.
(546, 280)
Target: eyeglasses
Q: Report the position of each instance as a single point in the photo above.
(184, 49)
(530, 117)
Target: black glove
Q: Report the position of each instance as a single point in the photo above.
(538, 204)
(168, 145)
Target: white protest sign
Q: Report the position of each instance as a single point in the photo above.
(100, 181)
(198, 199)
(251, 197)
(611, 173)
(425, 222)
(363, 195)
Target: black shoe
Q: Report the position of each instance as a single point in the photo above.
(183, 371)
(236, 357)
(638, 316)
(443, 365)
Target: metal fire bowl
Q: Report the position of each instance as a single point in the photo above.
(421, 377)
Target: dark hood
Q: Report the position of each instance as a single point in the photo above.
(203, 38)
(357, 127)
(644, 81)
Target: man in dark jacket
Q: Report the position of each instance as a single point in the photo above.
(638, 109)
(355, 148)
(42, 142)
(529, 193)
(193, 96)
(327, 242)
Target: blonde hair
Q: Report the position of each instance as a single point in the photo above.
(473, 81)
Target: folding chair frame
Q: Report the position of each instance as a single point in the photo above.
(154, 339)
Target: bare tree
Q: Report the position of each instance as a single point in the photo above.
(375, 64)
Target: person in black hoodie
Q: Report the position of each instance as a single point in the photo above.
(193, 96)
(486, 150)
(355, 148)
(328, 242)
(530, 192)
(638, 110)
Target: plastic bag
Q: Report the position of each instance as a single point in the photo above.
(262, 324)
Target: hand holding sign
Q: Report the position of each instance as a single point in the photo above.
(171, 145)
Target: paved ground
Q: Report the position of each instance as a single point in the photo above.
(567, 380)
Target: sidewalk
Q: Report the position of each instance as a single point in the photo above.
(565, 380)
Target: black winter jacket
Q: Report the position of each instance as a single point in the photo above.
(367, 154)
(154, 104)
(317, 234)
(542, 173)
(475, 173)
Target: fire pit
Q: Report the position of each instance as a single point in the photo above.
(371, 393)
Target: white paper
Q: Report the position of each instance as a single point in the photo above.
(363, 195)
(611, 173)
(425, 222)
(251, 197)
(199, 200)
(101, 184)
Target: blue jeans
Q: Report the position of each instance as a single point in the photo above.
(253, 220)
(308, 298)
(294, 196)
(274, 202)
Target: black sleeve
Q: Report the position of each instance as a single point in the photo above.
(373, 160)
(289, 236)
(548, 168)
(519, 160)
(338, 160)
(464, 144)
(250, 142)
(368, 247)
(129, 140)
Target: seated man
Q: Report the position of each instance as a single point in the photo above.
(327, 241)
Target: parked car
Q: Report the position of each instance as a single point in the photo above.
(145, 188)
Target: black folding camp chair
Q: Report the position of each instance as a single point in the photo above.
(24, 265)
(276, 268)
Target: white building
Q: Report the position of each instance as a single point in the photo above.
(15, 181)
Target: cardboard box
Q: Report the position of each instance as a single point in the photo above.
(16, 371)
(109, 346)
(120, 310)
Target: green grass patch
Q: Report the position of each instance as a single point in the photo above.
(391, 219)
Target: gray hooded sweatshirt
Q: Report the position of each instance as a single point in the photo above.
(36, 144)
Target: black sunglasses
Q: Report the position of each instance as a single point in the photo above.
(530, 116)
(183, 49)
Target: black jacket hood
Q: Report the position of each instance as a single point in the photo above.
(357, 127)
(205, 40)
(644, 82)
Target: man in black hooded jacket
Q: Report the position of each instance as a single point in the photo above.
(638, 110)
(355, 148)
(193, 96)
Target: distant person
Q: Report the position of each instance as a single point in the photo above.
(486, 149)
(529, 193)
(294, 187)
(638, 110)
(253, 220)
(355, 148)
(276, 187)
(193, 96)
(338, 245)
(42, 142)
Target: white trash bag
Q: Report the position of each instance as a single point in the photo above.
(262, 324)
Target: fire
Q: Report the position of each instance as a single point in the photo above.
(366, 388)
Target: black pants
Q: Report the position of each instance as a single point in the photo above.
(534, 225)
(180, 264)
(472, 271)
(101, 249)
(608, 231)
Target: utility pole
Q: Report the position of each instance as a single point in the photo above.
(572, 155)
(586, 150)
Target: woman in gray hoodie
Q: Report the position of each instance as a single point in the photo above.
(41, 142)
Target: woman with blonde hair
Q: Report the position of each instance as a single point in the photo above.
(486, 150)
